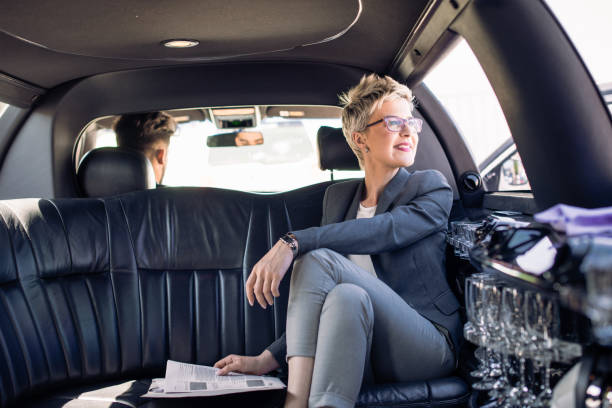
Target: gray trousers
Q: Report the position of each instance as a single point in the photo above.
(357, 328)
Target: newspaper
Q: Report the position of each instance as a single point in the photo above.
(190, 380)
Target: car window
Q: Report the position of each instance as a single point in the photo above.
(587, 23)
(606, 92)
(3, 107)
(462, 87)
(9, 117)
(200, 155)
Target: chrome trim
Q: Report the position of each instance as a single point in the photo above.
(515, 273)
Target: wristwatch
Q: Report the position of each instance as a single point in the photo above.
(289, 240)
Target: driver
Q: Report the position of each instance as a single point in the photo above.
(148, 133)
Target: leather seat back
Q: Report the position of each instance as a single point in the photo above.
(334, 151)
(113, 288)
(108, 171)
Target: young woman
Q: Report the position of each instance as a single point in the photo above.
(368, 299)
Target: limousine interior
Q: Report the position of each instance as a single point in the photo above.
(104, 277)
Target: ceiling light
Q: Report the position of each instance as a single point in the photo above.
(180, 43)
(233, 111)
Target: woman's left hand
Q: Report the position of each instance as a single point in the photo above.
(265, 278)
(258, 365)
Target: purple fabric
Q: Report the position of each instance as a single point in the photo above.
(576, 220)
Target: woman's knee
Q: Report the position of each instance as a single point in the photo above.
(315, 263)
(321, 255)
(347, 296)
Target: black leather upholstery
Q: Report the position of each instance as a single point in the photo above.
(334, 151)
(108, 171)
(435, 393)
(443, 392)
(94, 291)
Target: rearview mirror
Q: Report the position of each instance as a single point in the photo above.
(242, 138)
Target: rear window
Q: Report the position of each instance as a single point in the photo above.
(276, 153)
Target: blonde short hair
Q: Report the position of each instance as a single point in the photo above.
(363, 99)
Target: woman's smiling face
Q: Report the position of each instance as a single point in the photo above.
(387, 148)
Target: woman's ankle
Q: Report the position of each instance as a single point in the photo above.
(300, 378)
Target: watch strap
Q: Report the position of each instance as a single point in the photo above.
(289, 240)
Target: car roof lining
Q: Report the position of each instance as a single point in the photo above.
(138, 32)
(370, 44)
(411, 57)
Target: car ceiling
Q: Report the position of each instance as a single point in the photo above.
(50, 42)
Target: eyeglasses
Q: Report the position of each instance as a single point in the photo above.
(397, 124)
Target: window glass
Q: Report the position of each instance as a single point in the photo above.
(505, 172)
(3, 107)
(287, 158)
(587, 23)
(463, 89)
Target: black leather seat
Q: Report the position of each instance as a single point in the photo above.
(97, 294)
(110, 289)
(108, 171)
(97, 290)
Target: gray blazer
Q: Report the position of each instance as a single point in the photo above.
(406, 239)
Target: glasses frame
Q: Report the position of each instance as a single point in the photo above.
(413, 124)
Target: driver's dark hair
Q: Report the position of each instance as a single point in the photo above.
(139, 131)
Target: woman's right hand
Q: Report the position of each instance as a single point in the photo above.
(258, 365)
(265, 278)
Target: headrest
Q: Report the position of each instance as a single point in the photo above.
(334, 151)
(110, 171)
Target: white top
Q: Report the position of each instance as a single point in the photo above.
(364, 261)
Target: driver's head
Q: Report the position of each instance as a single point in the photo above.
(148, 133)
(245, 138)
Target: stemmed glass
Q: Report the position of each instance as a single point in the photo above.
(481, 317)
(462, 236)
(513, 326)
(473, 330)
(542, 323)
(493, 294)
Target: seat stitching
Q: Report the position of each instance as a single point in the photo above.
(99, 327)
(65, 232)
(112, 281)
(52, 310)
(8, 353)
(140, 300)
(245, 274)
